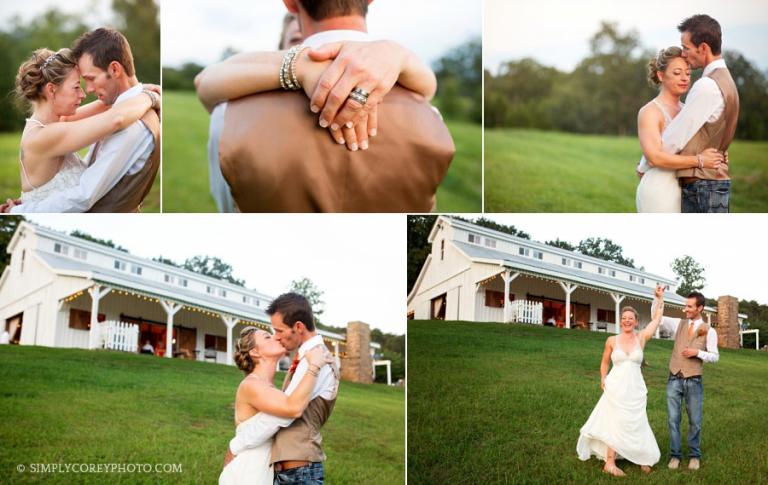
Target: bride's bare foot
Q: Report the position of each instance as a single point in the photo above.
(645, 469)
(613, 470)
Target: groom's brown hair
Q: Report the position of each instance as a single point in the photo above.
(323, 9)
(703, 29)
(104, 46)
(700, 301)
(293, 307)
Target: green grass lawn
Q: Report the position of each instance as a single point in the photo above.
(538, 171)
(10, 180)
(79, 406)
(495, 403)
(185, 160)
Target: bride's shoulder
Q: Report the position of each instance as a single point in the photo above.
(649, 109)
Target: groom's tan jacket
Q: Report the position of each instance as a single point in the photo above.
(130, 191)
(717, 134)
(276, 158)
(302, 441)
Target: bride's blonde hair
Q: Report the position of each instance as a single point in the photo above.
(243, 347)
(660, 62)
(43, 67)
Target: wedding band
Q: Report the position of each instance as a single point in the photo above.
(360, 95)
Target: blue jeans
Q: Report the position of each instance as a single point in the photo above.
(311, 474)
(690, 390)
(708, 196)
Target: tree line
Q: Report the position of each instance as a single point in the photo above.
(137, 19)
(603, 94)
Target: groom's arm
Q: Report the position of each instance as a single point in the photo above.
(712, 354)
(704, 101)
(115, 156)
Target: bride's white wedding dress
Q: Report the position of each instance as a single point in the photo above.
(619, 420)
(251, 466)
(658, 190)
(68, 176)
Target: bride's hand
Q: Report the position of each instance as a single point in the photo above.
(602, 383)
(712, 158)
(9, 204)
(357, 137)
(371, 66)
(316, 356)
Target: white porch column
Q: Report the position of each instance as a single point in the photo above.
(171, 309)
(97, 292)
(617, 299)
(568, 288)
(230, 322)
(709, 319)
(336, 354)
(508, 278)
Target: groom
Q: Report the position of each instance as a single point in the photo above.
(297, 451)
(122, 166)
(695, 343)
(708, 119)
(274, 157)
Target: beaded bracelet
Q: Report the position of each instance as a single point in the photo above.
(288, 79)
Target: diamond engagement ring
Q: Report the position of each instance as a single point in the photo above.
(360, 95)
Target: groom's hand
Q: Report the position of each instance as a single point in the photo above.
(689, 352)
(228, 457)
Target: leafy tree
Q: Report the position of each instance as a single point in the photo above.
(689, 273)
(104, 242)
(561, 244)
(604, 249)
(212, 266)
(392, 348)
(459, 81)
(419, 248)
(511, 230)
(161, 259)
(138, 21)
(312, 293)
(8, 226)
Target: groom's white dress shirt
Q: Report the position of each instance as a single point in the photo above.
(262, 427)
(712, 354)
(123, 152)
(219, 188)
(704, 104)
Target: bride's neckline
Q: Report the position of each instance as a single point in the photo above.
(636, 345)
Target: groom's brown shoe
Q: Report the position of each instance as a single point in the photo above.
(674, 463)
(693, 464)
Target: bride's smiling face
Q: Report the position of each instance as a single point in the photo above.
(628, 322)
(677, 77)
(67, 96)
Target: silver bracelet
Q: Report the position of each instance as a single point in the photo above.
(152, 97)
(288, 79)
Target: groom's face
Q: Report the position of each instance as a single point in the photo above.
(692, 54)
(692, 310)
(284, 334)
(98, 81)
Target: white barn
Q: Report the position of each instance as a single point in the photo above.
(481, 275)
(64, 291)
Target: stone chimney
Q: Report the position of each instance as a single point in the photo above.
(357, 366)
(728, 322)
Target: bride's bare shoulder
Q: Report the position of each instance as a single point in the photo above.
(650, 109)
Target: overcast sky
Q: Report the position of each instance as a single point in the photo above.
(730, 247)
(556, 32)
(93, 12)
(200, 30)
(357, 260)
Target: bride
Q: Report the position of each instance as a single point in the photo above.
(257, 354)
(659, 190)
(618, 426)
(58, 126)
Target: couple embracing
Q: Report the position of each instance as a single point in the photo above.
(278, 439)
(122, 129)
(685, 163)
(618, 427)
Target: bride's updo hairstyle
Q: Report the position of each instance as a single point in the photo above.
(243, 347)
(659, 63)
(45, 66)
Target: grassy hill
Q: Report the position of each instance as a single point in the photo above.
(185, 160)
(78, 406)
(539, 171)
(10, 179)
(494, 403)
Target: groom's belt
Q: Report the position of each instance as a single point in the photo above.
(685, 181)
(289, 464)
(680, 375)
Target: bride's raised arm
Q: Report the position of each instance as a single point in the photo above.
(658, 312)
(649, 121)
(61, 138)
(273, 401)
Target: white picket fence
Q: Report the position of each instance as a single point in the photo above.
(523, 311)
(120, 336)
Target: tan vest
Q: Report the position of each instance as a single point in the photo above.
(276, 158)
(717, 134)
(302, 441)
(688, 366)
(131, 190)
